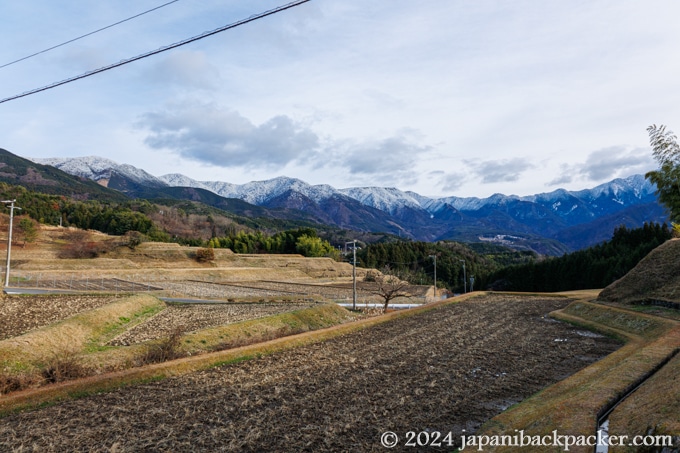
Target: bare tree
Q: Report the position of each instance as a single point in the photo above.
(390, 285)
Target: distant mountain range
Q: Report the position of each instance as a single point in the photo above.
(549, 223)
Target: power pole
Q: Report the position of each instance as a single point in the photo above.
(435, 274)
(464, 277)
(9, 237)
(354, 273)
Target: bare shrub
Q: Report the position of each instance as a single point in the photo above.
(204, 255)
(166, 349)
(80, 245)
(391, 284)
(371, 276)
(133, 239)
(63, 367)
(15, 382)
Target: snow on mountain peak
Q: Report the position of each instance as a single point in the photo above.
(387, 199)
(90, 167)
(98, 168)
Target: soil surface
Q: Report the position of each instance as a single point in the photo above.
(20, 314)
(192, 317)
(448, 369)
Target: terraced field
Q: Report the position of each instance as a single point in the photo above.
(446, 369)
(21, 314)
(193, 317)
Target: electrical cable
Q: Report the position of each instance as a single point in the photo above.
(159, 50)
(86, 35)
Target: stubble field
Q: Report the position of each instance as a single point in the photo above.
(447, 369)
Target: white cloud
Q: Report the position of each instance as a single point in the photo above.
(512, 95)
(502, 170)
(606, 164)
(451, 182)
(615, 161)
(216, 136)
(390, 161)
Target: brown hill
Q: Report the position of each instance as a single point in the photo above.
(655, 280)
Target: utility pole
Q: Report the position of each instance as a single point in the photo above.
(9, 237)
(354, 273)
(435, 274)
(464, 277)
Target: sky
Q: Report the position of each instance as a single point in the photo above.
(441, 97)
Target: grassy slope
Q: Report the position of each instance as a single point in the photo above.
(570, 406)
(656, 277)
(80, 333)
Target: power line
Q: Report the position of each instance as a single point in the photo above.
(86, 35)
(160, 50)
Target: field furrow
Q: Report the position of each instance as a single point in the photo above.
(447, 369)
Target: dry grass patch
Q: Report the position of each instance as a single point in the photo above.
(654, 408)
(655, 278)
(194, 317)
(78, 347)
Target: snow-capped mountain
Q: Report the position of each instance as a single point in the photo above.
(100, 169)
(387, 199)
(559, 215)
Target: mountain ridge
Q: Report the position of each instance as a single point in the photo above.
(560, 217)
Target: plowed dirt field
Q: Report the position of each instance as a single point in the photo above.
(447, 369)
(21, 314)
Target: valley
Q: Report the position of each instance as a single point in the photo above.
(272, 362)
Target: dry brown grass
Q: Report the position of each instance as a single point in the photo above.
(169, 262)
(163, 350)
(653, 409)
(64, 367)
(77, 346)
(655, 278)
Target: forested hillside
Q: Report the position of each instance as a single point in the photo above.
(594, 267)
(415, 260)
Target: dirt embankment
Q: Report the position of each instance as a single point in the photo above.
(446, 369)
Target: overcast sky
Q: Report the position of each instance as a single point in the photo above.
(442, 97)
